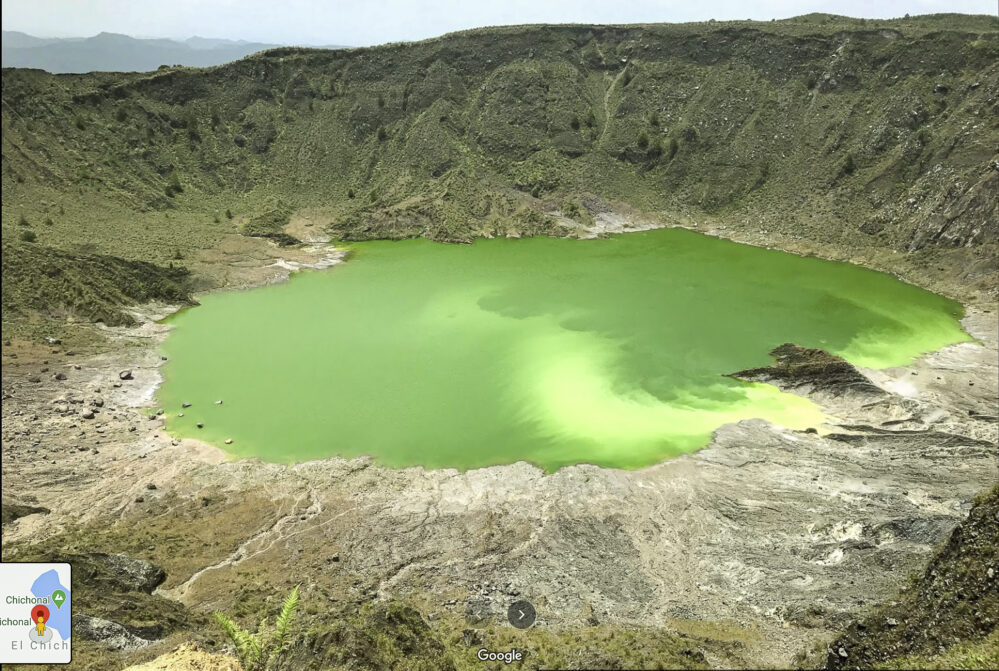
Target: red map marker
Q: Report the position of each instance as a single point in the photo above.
(39, 611)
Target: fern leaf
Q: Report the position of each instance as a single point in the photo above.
(285, 618)
(253, 648)
(239, 636)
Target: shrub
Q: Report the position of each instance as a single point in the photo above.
(382, 134)
(570, 208)
(191, 124)
(228, 214)
(643, 140)
(350, 194)
(173, 186)
(23, 220)
(656, 149)
(591, 118)
(575, 122)
(28, 236)
(848, 165)
(654, 119)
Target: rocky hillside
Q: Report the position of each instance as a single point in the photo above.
(92, 288)
(947, 617)
(863, 134)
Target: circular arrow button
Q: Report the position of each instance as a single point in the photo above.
(521, 614)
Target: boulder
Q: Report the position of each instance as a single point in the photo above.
(107, 633)
(125, 375)
(118, 572)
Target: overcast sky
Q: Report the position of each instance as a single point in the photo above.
(367, 22)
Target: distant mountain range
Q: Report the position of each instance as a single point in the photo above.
(120, 53)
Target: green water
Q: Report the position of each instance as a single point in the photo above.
(556, 352)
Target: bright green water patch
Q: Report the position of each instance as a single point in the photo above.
(609, 351)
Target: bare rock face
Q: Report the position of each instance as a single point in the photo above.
(796, 367)
(108, 633)
(963, 217)
(114, 572)
(955, 599)
(125, 573)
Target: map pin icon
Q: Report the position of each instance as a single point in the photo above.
(58, 597)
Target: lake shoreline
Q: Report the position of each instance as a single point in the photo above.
(401, 532)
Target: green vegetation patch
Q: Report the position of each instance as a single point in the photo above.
(87, 287)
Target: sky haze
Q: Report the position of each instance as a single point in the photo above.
(314, 22)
